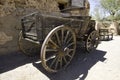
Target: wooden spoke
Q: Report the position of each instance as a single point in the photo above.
(66, 36)
(62, 36)
(69, 40)
(51, 50)
(70, 44)
(60, 41)
(53, 43)
(64, 59)
(71, 50)
(53, 62)
(69, 55)
(49, 58)
(57, 63)
(61, 62)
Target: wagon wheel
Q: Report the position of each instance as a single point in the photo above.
(58, 48)
(92, 41)
(27, 47)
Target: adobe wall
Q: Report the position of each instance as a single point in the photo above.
(10, 13)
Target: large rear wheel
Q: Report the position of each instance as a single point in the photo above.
(58, 48)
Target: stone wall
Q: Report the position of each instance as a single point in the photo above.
(16, 6)
(8, 34)
(11, 12)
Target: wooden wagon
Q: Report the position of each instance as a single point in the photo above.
(57, 34)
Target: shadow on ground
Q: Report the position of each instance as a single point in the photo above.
(78, 68)
(14, 60)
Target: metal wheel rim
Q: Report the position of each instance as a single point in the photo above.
(61, 54)
(92, 41)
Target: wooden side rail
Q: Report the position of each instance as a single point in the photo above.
(105, 34)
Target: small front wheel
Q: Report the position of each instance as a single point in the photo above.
(92, 41)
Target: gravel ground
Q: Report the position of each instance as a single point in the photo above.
(102, 64)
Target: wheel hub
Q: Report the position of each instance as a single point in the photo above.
(63, 51)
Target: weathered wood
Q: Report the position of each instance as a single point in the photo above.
(105, 34)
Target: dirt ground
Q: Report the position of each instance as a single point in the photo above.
(102, 64)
